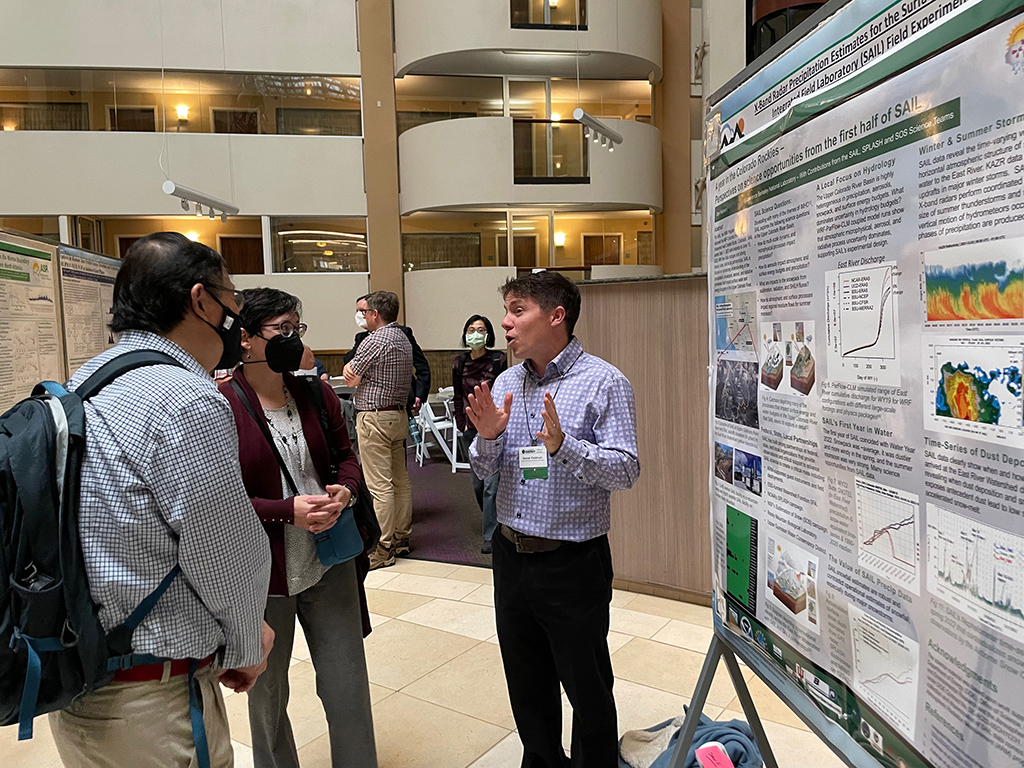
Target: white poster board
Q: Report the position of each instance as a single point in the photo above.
(866, 278)
(30, 344)
(87, 298)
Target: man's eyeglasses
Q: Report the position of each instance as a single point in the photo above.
(286, 329)
(238, 296)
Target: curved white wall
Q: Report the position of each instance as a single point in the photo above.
(467, 163)
(100, 173)
(307, 37)
(623, 40)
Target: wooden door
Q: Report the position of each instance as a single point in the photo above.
(244, 255)
(601, 249)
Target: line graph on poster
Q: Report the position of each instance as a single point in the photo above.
(862, 326)
(978, 569)
(885, 668)
(887, 527)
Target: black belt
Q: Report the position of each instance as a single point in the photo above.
(382, 408)
(529, 544)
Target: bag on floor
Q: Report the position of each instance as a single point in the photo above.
(52, 646)
(655, 746)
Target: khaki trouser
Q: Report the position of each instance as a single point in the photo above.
(142, 725)
(382, 437)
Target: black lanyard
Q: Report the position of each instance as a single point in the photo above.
(526, 410)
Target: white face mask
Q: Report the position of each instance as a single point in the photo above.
(360, 320)
(476, 340)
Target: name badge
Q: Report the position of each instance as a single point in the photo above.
(533, 460)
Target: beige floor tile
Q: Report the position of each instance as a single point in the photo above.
(769, 706)
(316, 754)
(793, 747)
(473, 684)
(393, 604)
(670, 669)
(376, 620)
(416, 734)
(639, 706)
(493, 639)
(243, 755)
(674, 609)
(476, 574)
(636, 624)
(430, 586)
(424, 568)
(38, 752)
(482, 595)
(685, 635)
(380, 577)
(620, 598)
(304, 709)
(507, 753)
(616, 640)
(378, 693)
(399, 652)
(476, 621)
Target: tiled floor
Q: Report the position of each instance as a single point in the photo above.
(439, 698)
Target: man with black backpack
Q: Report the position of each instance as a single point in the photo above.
(163, 514)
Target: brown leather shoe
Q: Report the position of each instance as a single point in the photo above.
(402, 547)
(381, 557)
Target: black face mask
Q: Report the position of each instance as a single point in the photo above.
(230, 332)
(284, 353)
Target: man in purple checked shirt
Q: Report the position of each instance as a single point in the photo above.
(563, 438)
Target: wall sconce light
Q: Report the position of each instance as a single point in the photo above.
(559, 239)
(555, 118)
(9, 126)
(328, 253)
(553, 3)
(193, 236)
(182, 110)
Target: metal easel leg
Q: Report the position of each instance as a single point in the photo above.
(749, 709)
(716, 651)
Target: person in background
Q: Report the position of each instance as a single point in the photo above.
(561, 428)
(470, 370)
(160, 488)
(420, 387)
(329, 601)
(321, 369)
(380, 372)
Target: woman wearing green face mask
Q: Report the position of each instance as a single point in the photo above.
(469, 370)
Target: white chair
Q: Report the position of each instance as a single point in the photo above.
(441, 430)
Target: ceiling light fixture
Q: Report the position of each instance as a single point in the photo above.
(213, 204)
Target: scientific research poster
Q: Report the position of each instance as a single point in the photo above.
(866, 277)
(87, 300)
(29, 330)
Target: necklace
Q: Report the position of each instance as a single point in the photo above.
(281, 436)
(526, 410)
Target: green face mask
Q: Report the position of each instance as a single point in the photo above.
(476, 340)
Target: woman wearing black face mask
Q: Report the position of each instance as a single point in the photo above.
(298, 494)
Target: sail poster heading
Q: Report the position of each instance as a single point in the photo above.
(866, 281)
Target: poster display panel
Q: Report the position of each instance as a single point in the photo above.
(866, 281)
(87, 299)
(30, 345)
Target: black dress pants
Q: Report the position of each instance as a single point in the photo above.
(552, 619)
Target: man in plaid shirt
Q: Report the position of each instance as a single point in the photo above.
(381, 371)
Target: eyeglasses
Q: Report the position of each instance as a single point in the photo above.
(286, 329)
(238, 296)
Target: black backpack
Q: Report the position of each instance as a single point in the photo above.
(496, 363)
(52, 646)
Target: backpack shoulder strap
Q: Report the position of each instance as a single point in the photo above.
(315, 393)
(462, 363)
(129, 361)
(496, 363)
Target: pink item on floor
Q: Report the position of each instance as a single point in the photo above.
(713, 755)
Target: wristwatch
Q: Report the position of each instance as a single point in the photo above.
(352, 495)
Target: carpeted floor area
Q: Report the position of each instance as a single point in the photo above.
(446, 521)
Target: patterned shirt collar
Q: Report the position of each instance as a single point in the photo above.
(133, 339)
(561, 364)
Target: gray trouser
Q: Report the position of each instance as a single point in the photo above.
(330, 618)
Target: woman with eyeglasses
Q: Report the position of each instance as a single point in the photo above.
(471, 369)
(286, 460)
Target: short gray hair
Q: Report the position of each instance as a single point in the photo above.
(384, 302)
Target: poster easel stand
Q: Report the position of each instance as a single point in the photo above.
(719, 650)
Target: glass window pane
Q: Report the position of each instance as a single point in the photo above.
(548, 13)
(613, 99)
(611, 237)
(423, 99)
(319, 244)
(451, 239)
(46, 227)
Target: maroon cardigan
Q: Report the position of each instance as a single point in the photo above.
(262, 476)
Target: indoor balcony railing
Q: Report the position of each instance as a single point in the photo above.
(549, 152)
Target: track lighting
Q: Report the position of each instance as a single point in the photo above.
(212, 204)
(601, 133)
